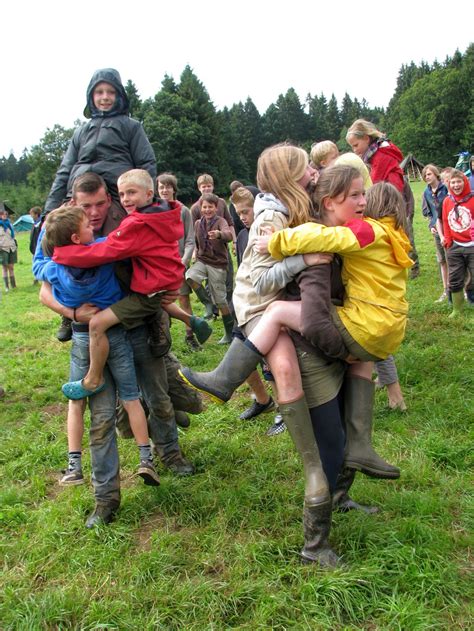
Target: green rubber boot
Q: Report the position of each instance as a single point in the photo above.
(200, 328)
(228, 321)
(203, 297)
(237, 364)
(458, 304)
(358, 411)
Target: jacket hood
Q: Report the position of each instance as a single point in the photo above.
(399, 241)
(390, 149)
(121, 105)
(164, 218)
(465, 190)
(268, 201)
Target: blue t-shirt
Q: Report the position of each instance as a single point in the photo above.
(73, 286)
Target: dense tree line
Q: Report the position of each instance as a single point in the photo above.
(430, 115)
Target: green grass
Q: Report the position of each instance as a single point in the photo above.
(219, 550)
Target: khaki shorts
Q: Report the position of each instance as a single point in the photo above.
(216, 278)
(321, 377)
(8, 258)
(133, 310)
(249, 326)
(352, 346)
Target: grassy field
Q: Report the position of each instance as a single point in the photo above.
(219, 550)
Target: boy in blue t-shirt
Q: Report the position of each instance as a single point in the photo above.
(73, 287)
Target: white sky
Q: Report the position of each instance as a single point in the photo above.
(256, 48)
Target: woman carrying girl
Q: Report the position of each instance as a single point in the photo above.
(370, 324)
(283, 174)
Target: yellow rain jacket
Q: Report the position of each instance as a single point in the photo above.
(374, 273)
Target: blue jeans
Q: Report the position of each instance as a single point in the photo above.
(102, 437)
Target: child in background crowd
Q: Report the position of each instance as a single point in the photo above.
(458, 238)
(8, 250)
(212, 234)
(431, 207)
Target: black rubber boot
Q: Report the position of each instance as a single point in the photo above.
(228, 321)
(358, 411)
(203, 297)
(341, 501)
(236, 365)
(316, 527)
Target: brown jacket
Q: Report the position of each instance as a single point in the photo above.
(212, 252)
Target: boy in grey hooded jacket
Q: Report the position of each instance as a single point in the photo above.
(109, 144)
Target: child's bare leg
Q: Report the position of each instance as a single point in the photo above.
(279, 313)
(137, 418)
(98, 347)
(258, 388)
(185, 304)
(75, 425)
(75, 431)
(285, 369)
(177, 313)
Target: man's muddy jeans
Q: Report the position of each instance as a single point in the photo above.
(159, 394)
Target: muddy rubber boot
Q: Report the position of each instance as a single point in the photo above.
(228, 321)
(341, 500)
(458, 304)
(298, 422)
(316, 528)
(317, 504)
(358, 411)
(203, 298)
(236, 365)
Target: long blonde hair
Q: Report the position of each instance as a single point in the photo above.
(361, 127)
(279, 169)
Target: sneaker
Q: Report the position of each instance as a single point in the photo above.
(443, 297)
(192, 343)
(257, 408)
(147, 471)
(278, 426)
(177, 463)
(72, 477)
(64, 333)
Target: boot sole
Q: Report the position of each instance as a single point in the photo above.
(372, 473)
(148, 478)
(211, 395)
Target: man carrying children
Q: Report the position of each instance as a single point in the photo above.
(90, 193)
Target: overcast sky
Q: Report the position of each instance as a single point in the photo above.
(256, 48)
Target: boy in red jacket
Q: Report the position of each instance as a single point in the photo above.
(458, 229)
(149, 235)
